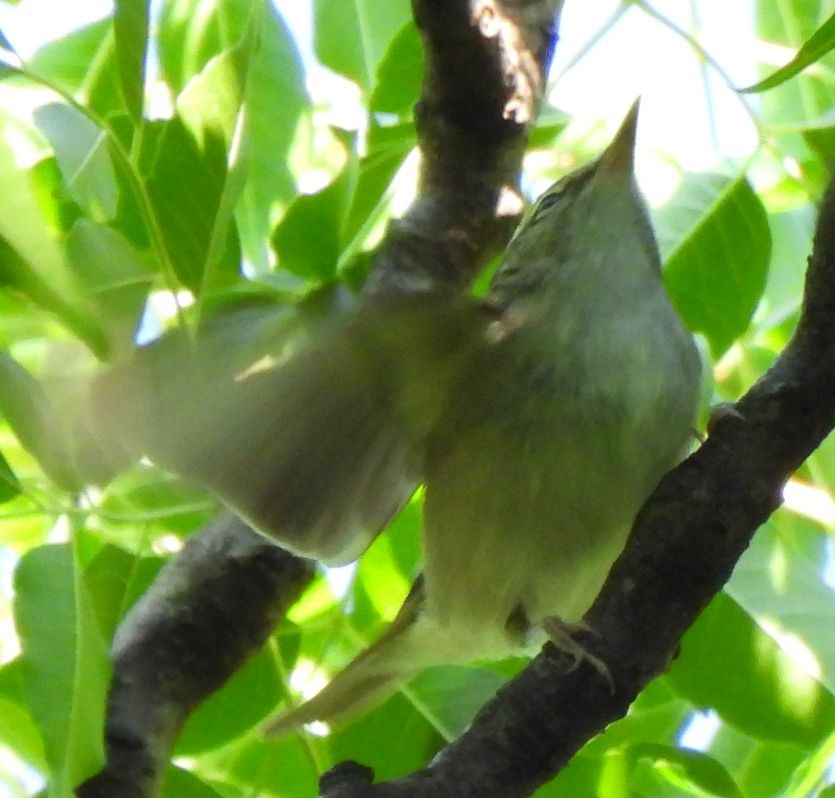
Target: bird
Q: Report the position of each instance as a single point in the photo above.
(538, 417)
(577, 393)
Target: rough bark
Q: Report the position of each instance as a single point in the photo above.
(210, 608)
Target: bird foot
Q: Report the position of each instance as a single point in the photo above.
(561, 634)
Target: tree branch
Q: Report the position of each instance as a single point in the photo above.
(486, 62)
(684, 545)
(210, 608)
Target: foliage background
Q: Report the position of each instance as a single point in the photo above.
(233, 174)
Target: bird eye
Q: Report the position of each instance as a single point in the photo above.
(548, 201)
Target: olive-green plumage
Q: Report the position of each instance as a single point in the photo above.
(579, 395)
(539, 419)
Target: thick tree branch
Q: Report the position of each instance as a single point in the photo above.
(486, 62)
(210, 608)
(685, 543)
(217, 602)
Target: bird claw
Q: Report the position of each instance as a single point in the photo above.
(561, 634)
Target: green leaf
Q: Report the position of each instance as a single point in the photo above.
(729, 663)
(791, 235)
(308, 240)
(821, 139)
(352, 36)
(387, 150)
(65, 663)
(67, 60)
(179, 783)
(700, 770)
(17, 274)
(189, 36)
(31, 415)
(196, 180)
(453, 695)
(716, 241)
(657, 715)
(83, 62)
(549, 124)
(17, 729)
(399, 74)
(83, 158)
(191, 33)
(276, 98)
(269, 768)
(392, 739)
(115, 277)
(115, 578)
(9, 486)
(130, 25)
(31, 260)
(821, 42)
(186, 188)
(323, 232)
(249, 696)
(794, 602)
(797, 102)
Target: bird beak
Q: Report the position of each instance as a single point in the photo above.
(618, 159)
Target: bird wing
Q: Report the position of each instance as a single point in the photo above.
(316, 444)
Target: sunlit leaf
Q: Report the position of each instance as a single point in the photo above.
(781, 581)
(269, 767)
(186, 189)
(549, 124)
(326, 229)
(727, 662)
(308, 241)
(196, 180)
(17, 729)
(715, 239)
(276, 98)
(67, 61)
(30, 413)
(82, 157)
(115, 277)
(808, 96)
(392, 739)
(189, 36)
(821, 42)
(387, 150)
(65, 663)
(352, 35)
(130, 26)
(84, 62)
(31, 260)
(700, 770)
(399, 74)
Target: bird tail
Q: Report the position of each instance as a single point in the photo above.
(375, 673)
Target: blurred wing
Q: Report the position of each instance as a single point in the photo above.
(317, 447)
